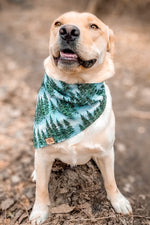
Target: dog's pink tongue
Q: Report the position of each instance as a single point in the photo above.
(68, 56)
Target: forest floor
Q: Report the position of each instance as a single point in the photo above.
(77, 194)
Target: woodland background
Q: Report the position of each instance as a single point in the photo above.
(77, 194)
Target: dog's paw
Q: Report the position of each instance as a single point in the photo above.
(39, 214)
(120, 204)
(33, 176)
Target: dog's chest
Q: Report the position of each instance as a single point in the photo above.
(94, 141)
(83, 147)
(91, 142)
(74, 156)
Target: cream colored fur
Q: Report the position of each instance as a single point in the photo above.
(97, 140)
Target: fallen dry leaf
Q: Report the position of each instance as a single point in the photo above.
(6, 204)
(64, 208)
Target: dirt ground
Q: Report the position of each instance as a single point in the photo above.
(77, 194)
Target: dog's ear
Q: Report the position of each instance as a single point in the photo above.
(110, 41)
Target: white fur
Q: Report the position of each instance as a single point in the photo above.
(39, 213)
(121, 204)
(33, 176)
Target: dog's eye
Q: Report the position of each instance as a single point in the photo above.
(94, 26)
(58, 24)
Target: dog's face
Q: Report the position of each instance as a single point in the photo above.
(79, 42)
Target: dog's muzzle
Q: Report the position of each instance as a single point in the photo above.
(69, 35)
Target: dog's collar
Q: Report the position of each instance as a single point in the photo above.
(64, 110)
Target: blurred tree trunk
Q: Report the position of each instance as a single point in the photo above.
(92, 6)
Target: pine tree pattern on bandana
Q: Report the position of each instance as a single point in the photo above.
(64, 110)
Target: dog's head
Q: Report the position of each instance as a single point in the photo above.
(79, 42)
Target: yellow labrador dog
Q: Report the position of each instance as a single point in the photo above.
(80, 52)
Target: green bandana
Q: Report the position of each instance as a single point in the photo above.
(64, 110)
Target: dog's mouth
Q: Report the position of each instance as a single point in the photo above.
(67, 56)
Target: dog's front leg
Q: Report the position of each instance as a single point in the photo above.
(43, 165)
(106, 166)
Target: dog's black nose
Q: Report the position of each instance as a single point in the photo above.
(69, 32)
